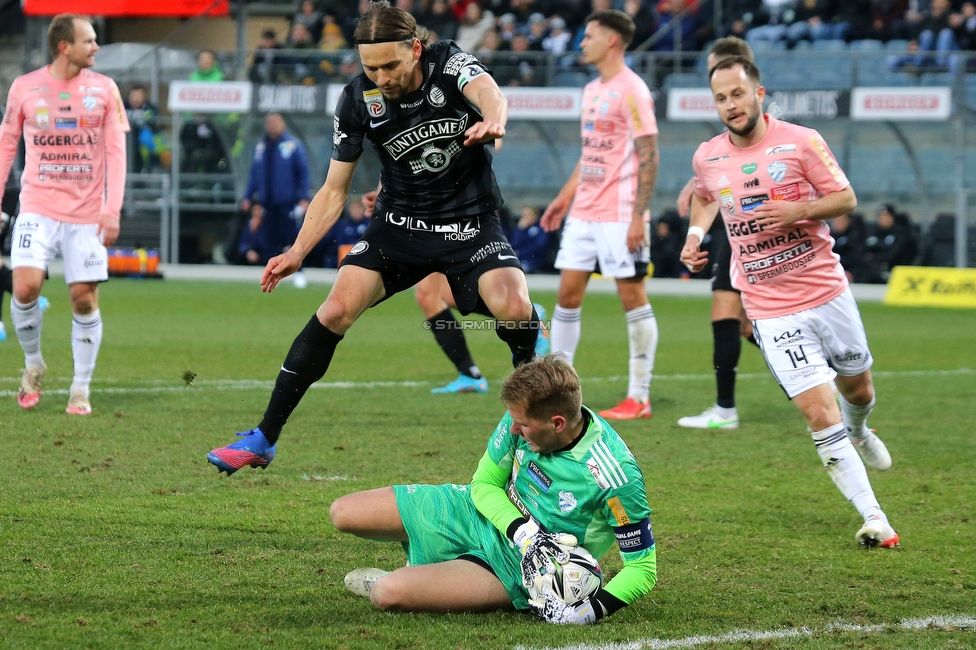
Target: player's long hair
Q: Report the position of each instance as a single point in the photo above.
(544, 388)
(62, 28)
(386, 24)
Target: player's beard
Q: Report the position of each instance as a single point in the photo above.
(748, 128)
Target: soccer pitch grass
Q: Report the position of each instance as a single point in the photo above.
(115, 532)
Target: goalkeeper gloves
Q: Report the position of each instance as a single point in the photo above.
(539, 548)
(551, 609)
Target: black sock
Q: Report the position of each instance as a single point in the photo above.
(726, 358)
(521, 340)
(306, 363)
(6, 285)
(449, 335)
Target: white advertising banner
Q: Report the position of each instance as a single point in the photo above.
(544, 103)
(210, 96)
(691, 104)
(916, 103)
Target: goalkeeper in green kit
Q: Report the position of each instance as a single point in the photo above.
(554, 476)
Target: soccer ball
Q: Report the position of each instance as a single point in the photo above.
(578, 578)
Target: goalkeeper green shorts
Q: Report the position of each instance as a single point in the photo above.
(442, 524)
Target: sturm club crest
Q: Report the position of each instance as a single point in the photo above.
(436, 97)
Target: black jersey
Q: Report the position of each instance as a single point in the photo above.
(426, 169)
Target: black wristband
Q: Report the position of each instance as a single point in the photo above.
(515, 525)
(608, 603)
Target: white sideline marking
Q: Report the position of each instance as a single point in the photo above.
(163, 386)
(946, 623)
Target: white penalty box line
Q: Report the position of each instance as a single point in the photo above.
(163, 386)
(946, 623)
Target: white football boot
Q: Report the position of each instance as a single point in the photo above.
(877, 532)
(710, 419)
(360, 581)
(873, 452)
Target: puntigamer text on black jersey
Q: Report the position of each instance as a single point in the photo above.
(427, 171)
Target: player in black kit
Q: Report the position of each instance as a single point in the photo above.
(432, 113)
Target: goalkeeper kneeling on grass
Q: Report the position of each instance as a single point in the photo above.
(555, 475)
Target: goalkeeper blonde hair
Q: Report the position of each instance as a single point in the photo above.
(544, 388)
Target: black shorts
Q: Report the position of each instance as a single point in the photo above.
(405, 250)
(722, 260)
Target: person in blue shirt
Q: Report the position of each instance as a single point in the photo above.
(530, 241)
(279, 183)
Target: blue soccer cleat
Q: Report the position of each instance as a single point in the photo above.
(542, 343)
(463, 384)
(43, 303)
(253, 450)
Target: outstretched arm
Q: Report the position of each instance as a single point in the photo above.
(323, 212)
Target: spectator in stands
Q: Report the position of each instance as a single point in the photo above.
(848, 233)
(473, 27)
(852, 20)
(298, 67)
(264, 67)
(207, 67)
(203, 150)
(742, 15)
(530, 241)
(643, 21)
(144, 138)
(311, 18)
(964, 26)
(666, 245)
(518, 68)
(891, 242)
(279, 183)
(935, 34)
(350, 22)
(667, 11)
(506, 30)
(522, 10)
(253, 247)
(885, 15)
(557, 42)
(595, 6)
(332, 39)
(536, 31)
(490, 43)
(349, 66)
(350, 227)
(441, 20)
(811, 21)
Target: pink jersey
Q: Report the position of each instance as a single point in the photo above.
(779, 272)
(74, 132)
(614, 114)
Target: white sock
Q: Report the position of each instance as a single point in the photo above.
(565, 334)
(86, 337)
(28, 321)
(846, 469)
(642, 333)
(855, 417)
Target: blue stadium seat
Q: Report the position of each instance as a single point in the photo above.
(571, 79)
(830, 45)
(802, 46)
(866, 45)
(684, 80)
(763, 45)
(971, 90)
(886, 77)
(897, 45)
(938, 79)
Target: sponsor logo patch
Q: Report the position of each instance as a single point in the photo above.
(789, 192)
(65, 123)
(749, 203)
(780, 148)
(749, 168)
(375, 104)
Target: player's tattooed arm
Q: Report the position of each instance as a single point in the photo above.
(648, 161)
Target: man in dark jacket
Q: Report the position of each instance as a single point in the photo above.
(279, 183)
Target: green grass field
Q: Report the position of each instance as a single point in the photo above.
(115, 532)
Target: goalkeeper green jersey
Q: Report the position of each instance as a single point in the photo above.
(593, 490)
